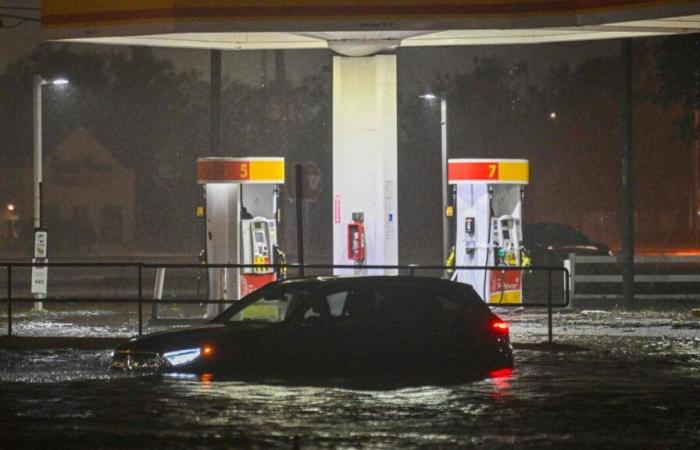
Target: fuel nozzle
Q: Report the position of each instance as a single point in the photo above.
(500, 256)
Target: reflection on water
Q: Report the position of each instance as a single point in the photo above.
(626, 393)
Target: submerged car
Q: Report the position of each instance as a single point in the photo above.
(335, 326)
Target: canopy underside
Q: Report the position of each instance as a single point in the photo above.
(361, 25)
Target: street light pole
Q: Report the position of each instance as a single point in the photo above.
(443, 162)
(38, 173)
(443, 172)
(39, 274)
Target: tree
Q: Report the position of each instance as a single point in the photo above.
(148, 115)
(679, 80)
(154, 119)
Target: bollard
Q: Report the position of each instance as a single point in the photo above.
(549, 305)
(140, 267)
(9, 301)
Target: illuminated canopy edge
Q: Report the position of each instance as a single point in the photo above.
(240, 24)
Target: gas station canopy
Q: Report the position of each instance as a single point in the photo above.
(365, 92)
(359, 27)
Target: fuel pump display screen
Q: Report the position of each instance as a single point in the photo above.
(259, 238)
(506, 234)
(469, 225)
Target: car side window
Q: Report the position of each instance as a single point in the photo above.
(420, 302)
(398, 303)
(318, 309)
(360, 305)
(449, 304)
(336, 302)
(329, 306)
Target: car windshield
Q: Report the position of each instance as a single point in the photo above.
(269, 305)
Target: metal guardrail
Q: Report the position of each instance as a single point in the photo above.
(650, 279)
(140, 267)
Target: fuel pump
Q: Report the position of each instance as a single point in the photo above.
(241, 215)
(488, 202)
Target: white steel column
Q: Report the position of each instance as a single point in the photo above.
(223, 223)
(365, 158)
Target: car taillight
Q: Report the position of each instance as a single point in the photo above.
(207, 350)
(500, 326)
(501, 373)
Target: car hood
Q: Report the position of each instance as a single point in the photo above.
(176, 339)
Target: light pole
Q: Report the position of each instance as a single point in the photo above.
(39, 274)
(443, 169)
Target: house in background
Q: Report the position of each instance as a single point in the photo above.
(89, 197)
(16, 211)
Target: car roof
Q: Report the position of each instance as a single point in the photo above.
(371, 280)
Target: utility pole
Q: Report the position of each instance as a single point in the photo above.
(39, 274)
(443, 168)
(626, 133)
(215, 103)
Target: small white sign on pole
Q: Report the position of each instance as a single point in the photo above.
(39, 279)
(40, 274)
(40, 240)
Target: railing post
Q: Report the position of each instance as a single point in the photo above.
(567, 288)
(140, 267)
(158, 291)
(299, 203)
(9, 300)
(572, 276)
(549, 304)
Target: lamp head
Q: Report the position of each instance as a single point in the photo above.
(55, 81)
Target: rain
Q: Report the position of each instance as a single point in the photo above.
(123, 127)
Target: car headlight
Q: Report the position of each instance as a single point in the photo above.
(180, 357)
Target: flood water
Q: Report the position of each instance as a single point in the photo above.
(625, 392)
